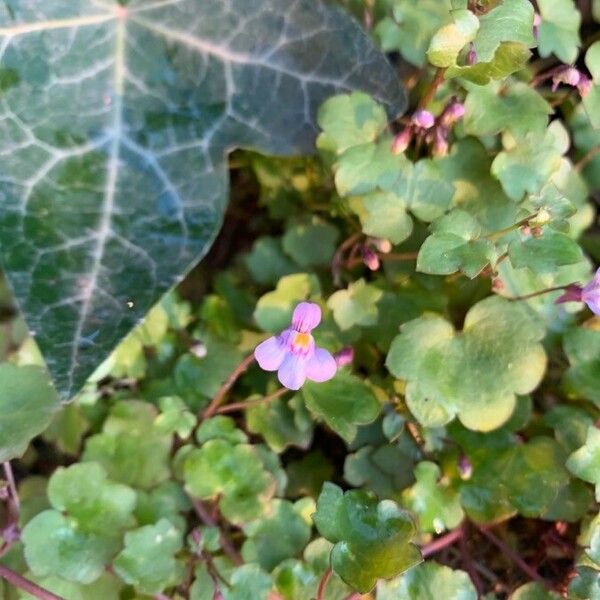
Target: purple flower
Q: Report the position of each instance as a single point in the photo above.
(590, 294)
(423, 119)
(345, 356)
(293, 353)
(402, 141)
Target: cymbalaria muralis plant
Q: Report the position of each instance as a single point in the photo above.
(299, 299)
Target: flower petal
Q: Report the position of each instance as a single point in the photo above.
(591, 293)
(292, 374)
(307, 315)
(270, 353)
(321, 366)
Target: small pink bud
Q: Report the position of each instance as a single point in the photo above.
(344, 357)
(384, 246)
(537, 21)
(440, 145)
(497, 284)
(472, 55)
(423, 119)
(402, 141)
(584, 85)
(572, 293)
(370, 258)
(465, 468)
(454, 112)
(568, 76)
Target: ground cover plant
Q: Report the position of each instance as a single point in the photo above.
(300, 299)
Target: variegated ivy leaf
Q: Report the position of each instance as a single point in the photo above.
(115, 122)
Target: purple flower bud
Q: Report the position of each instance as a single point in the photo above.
(465, 468)
(568, 76)
(537, 21)
(344, 357)
(454, 112)
(572, 294)
(423, 119)
(472, 55)
(370, 258)
(382, 245)
(440, 145)
(590, 294)
(584, 85)
(402, 141)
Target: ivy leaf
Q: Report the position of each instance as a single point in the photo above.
(171, 88)
(591, 100)
(372, 539)
(509, 21)
(85, 493)
(524, 478)
(533, 591)
(545, 253)
(27, 404)
(584, 462)
(348, 120)
(559, 30)
(175, 417)
(343, 402)
(281, 423)
(451, 38)
(355, 306)
(310, 244)
(220, 428)
(455, 245)
(384, 470)
(130, 447)
(528, 164)
(79, 544)
(267, 263)
(274, 310)
(248, 582)
(428, 580)
(106, 587)
(435, 502)
(582, 379)
(586, 585)
(509, 58)
(383, 215)
(475, 374)
(235, 472)
(282, 534)
(515, 107)
(410, 29)
(148, 559)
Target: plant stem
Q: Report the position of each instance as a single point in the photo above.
(399, 256)
(249, 403)
(209, 520)
(12, 488)
(26, 585)
(514, 557)
(429, 94)
(496, 235)
(442, 542)
(538, 293)
(224, 389)
(323, 584)
(583, 162)
(466, 556)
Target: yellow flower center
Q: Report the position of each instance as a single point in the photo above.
(302, 341)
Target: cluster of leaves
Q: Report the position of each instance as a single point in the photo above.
(467, 420)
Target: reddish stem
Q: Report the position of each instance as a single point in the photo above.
(429, 94)
(442, 542)
(466, 556)
(224, 389)
(323, 584)
(512, 555)
(209, 520)
(250, 403)
(26, 585)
